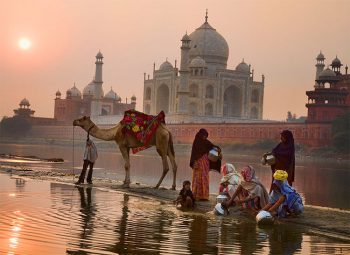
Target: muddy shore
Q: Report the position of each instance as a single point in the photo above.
(329, 222)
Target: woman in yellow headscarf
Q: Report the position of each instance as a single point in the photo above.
(283, 199)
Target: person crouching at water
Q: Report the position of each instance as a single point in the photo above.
(250, 192)
(283, 199)
(185, 198)
(90, 156)
(230, 181)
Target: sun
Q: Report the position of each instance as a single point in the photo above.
(24, 43)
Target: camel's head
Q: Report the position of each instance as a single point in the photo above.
(83, 122)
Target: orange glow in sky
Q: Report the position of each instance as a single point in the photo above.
(280, 39)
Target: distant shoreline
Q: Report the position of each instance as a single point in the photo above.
(184, 149)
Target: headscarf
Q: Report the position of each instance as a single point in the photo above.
(201, 145)
(228, 169)
(280, 175)
(252, 184)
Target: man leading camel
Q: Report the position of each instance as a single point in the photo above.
(162, 139)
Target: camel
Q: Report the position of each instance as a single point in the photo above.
(162, 139)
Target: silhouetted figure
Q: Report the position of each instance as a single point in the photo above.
(90, 156)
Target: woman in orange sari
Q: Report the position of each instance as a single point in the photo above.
(201, 165)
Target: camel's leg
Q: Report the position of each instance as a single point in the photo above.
(162, 149)
(174, 167)
(165, 168)
(125, 153)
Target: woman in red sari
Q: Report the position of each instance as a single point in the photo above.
(201, 165)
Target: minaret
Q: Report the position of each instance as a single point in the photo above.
(182, 106)
(99, 63)
(96, 108)
(319, 65)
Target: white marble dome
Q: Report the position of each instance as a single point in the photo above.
(197, 62)
(166, 66)
(207, 43)
(112, 95)
(92, 89)
(243, 67)
(75, 92)
(24, 102)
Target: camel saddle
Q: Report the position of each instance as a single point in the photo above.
(142, 126)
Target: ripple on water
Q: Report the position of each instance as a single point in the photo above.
(53, 218)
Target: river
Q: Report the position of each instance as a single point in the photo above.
(320, 182)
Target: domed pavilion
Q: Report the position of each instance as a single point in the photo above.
(203, 88)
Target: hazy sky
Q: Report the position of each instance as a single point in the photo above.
(280, 39)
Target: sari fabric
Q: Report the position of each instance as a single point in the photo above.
(200, 178)
(253, 188)
(293, 202)
(202, 146)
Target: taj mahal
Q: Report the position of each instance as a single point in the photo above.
(203, 88)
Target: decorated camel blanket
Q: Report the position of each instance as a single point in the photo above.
(142, 126)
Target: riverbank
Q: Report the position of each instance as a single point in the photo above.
(302, 153)
(322, 221)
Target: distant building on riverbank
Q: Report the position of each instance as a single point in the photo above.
(92, 102)
(331, 94)
(25, 112)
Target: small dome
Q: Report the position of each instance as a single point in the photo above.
(92, 89)
(186, 38)
(24, 102)
(243, 67)
(69, 92)
(99, 55)
(336, 62)
(112, 95)
(320, 56)
(198, 62)
(133, 98)
(166, 66)
(58, 93)
(75, 92)
(327, 73)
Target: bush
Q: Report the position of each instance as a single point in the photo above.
(341, 133)
(14, 127)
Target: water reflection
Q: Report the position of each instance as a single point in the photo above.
(57, 218)
(284, 239)
(320, 182)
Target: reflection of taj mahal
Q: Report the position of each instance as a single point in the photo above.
(203, 89)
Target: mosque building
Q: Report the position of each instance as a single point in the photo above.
(330, 96)
(203, 88)
(92, 102)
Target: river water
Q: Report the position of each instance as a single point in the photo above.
(41, 217)
(320, 182)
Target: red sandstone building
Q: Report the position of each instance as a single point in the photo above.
(92, 102)
(330, 96)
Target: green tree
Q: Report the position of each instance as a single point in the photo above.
(341, 132)
(14, 127)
